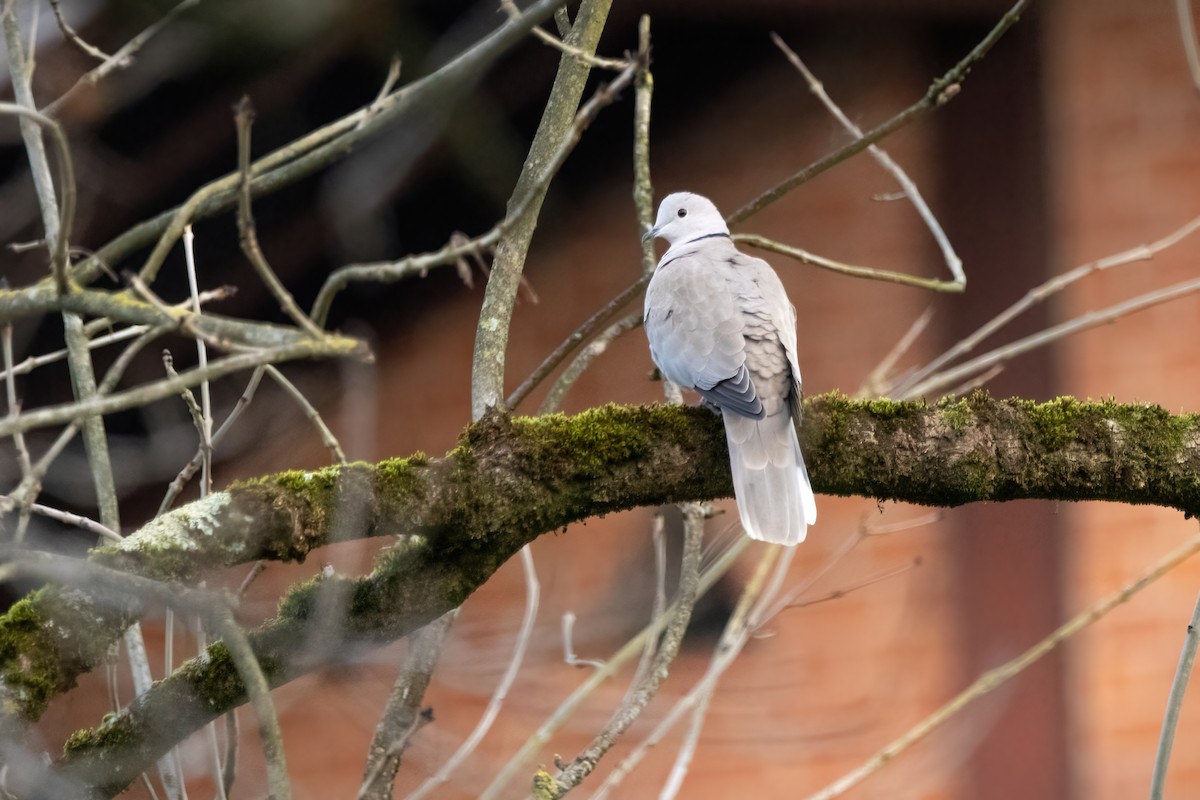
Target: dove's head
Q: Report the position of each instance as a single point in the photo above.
(683, 217)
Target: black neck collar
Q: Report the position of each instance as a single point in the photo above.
(708, 236)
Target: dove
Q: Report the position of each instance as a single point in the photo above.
(719, 322)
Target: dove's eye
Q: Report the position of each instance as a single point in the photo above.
(682, 212)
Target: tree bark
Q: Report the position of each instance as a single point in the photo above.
(510, 480)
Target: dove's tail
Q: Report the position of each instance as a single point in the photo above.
(770, 482)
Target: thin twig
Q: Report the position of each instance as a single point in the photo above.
(1187, 658)
(218, 769)
(1038, 294)
(853, 270)
(909, 188)
(120, 59)
(198, 420)
(67, 518)
(941, 91)
(938, 381)
(204, 424)
(58, 226)
(73, 37)
(30, 363)
(779, 603)
(102, 323)
(321, 147)
(733, 638)
(259, 692)
(402, 715)
(13, 409)
(159, 390)
(389, 83)
(575, 339)
(659, 540)
(327, 438)
(873, 386)
(591, 59)
(189, 400)
(129, 306)
(232, 739)
(538, 739)
(595, 348)
(997, 676)
(689, 579)
(862, 583)
(457, 248)
(524, 635)
(248, 233)
(1187, 28)
(31, 485)
(192, 467)
(570, 658)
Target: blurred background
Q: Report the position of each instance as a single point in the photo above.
(1075, 138)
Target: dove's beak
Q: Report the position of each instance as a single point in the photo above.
(650, 234)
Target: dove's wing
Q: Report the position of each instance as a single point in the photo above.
(696, 330)
(769, 298)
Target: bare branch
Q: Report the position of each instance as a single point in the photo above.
(123, 57)
(935, 383)
(853, 270)
(464, 751)
(319, 148)
(248, 234)
(589, 58)
(310, 412)
(997, 676)
(1037, 295)
(581, 362)
(1187, 658)
(149, 393)
(1187, 28)
(458, 248)
(402, 716)
(559, 129)
(643, 189)
(908, 187)
(58, 225)
(940, 92)
(73, 37)
(685, 599)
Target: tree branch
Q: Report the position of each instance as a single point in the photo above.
(554, 131)
(512, 479)
(326, 145)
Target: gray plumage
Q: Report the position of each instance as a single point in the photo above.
(719, 322)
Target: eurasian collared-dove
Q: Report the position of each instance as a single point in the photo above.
(719, 322)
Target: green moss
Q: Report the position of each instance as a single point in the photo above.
(1057, 422)
(885, 409)
(399, 482)
(29, 651)
(115, 732)
(588, 442)
(1162, 432)
(543, 787)
(835, 409)
(298, 602)
(317, 484)
(956, 412)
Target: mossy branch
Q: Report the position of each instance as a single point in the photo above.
(512, 479)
